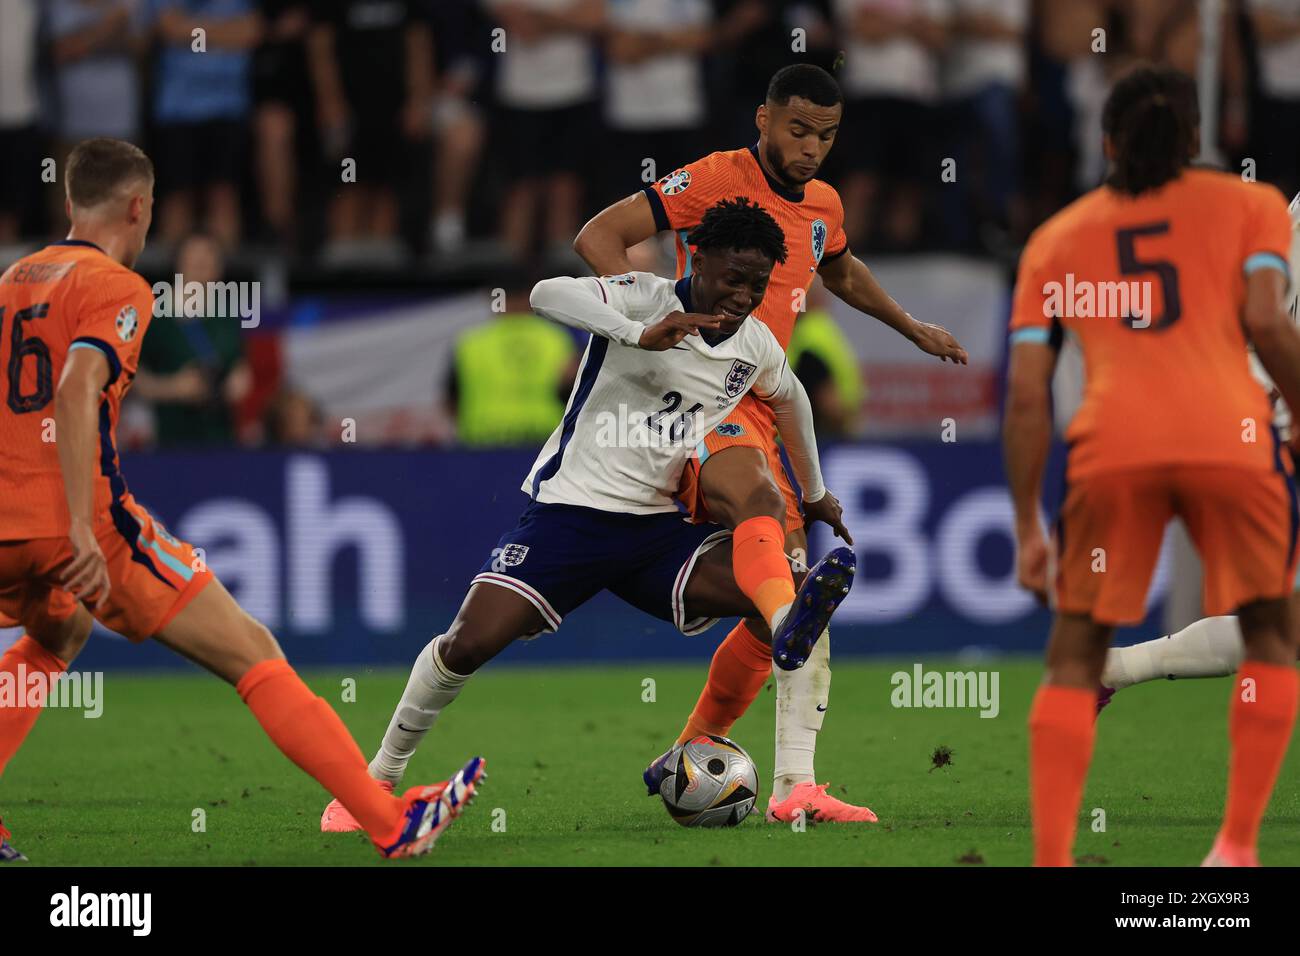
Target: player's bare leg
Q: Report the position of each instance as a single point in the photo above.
(47, 648)
(1261, 718)
(1061, 730)
(489, 620)
(216, 633)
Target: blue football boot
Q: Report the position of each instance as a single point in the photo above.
(822, 591)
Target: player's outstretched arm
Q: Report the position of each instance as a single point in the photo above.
(587, 304)
(794, 420)
(1026, 440)
(604, 241)
(76, 433)
(849, 279)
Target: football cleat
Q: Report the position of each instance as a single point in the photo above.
(337, 819)
(430, 810)
(817, 806)
(654, 774)
(7, 852)
(1225, 854)
(826, 585)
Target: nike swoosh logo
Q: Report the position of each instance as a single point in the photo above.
(819, 707)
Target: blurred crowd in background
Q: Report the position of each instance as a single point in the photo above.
(488, 131)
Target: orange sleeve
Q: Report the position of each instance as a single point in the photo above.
(1033, 309)
(1267, 236)
(837, 243)
(112, 317)
(680, 199)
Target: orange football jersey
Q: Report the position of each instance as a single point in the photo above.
(1153, 287)
(67, 296)
(813, 223)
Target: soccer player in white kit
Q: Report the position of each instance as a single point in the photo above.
(667, 361)
(1212, 646)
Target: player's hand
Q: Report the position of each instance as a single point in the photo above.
(827, 508)
(936, 340)
(674, 327)
(1031, 562)
(86, 576)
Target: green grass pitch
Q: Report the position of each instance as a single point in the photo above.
(565, 749)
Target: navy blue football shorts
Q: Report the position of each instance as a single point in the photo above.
(561, 556)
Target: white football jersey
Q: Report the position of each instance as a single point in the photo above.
(635, 416)
(1282, 416)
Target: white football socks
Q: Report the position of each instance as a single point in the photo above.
(430, 688)
(774, 622)
(801, 701)
(1210, 647)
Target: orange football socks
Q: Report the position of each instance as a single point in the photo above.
(24, 658)
(310, 733)
(1061, 731)
(1260, 721)
(759, 563)
(741, 664)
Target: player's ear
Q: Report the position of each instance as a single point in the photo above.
(697, 260)
(760, 118)
(1108, 147)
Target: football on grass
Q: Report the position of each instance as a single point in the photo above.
(709, 781)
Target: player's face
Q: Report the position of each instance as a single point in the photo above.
(796, 137)
(731, 283)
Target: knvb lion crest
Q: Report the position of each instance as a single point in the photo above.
(818, 239)
(738, 377)
(510, 556)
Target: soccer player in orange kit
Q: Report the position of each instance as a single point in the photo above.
(736, 478)
(72, 319)
(1172, 424)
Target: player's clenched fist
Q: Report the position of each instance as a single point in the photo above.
(674, 327)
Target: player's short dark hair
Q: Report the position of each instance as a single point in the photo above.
(739, 224)
(1151, 116)
(98, 168)
(806, 81)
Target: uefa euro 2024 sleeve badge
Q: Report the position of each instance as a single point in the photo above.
(128, 320)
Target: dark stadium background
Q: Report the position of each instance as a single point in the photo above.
(358, 550)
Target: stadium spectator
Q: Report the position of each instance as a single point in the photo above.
(293, 420)
(545, 92)
(461, 43)
(1068, 36)
(93, 44)
(281, 97)
(655, 101)
(984, 70)
(752, 39)
(891, 80)
(201, 109)
(20, 145)
(510, 377)
(825, 361)
(372, 69)
(1277, 119)
(192, 367)
(1169, 32)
